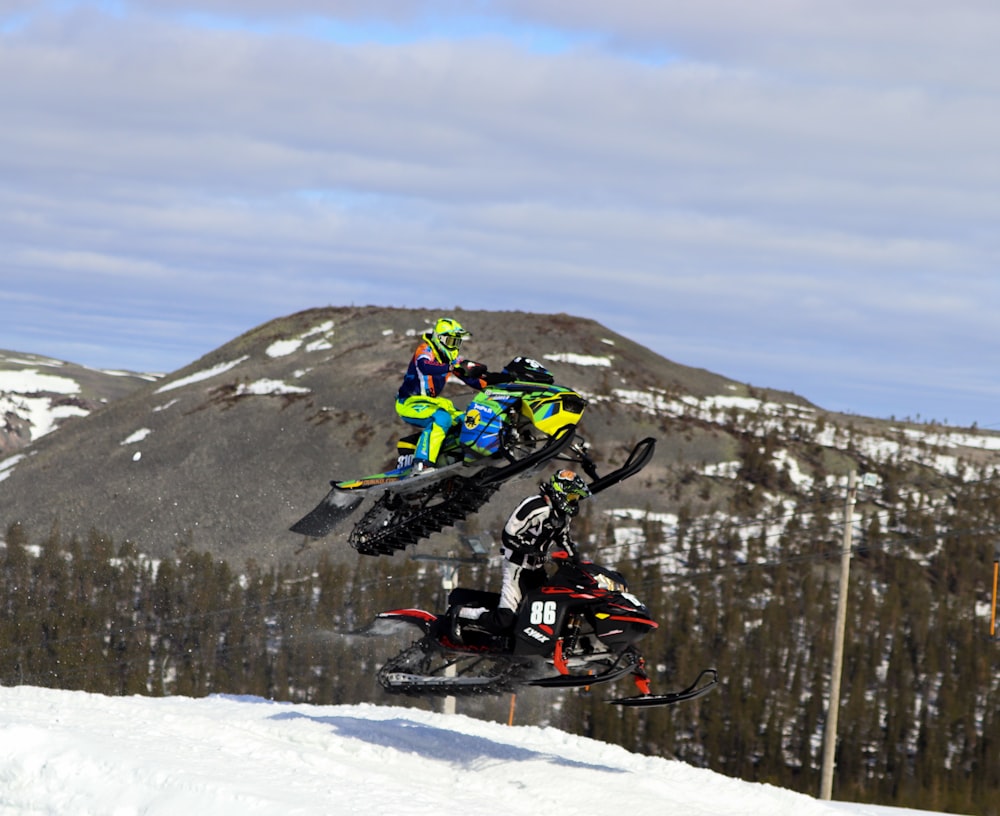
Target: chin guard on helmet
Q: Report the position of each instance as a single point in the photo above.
(565, 489)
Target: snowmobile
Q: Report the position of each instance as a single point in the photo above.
(579, 629)
(509, 430)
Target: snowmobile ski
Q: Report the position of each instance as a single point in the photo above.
(693, 692)
(636, 461)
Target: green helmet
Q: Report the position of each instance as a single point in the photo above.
(447, 338)
(565, 489)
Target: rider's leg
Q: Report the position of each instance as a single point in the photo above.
(434, 416)
(429, 446)
(516, 581)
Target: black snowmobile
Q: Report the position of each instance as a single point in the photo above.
(509, 429)
(579, 629)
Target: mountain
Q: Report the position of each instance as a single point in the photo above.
(732, 536)
(39, 394)
(70, 752)
(224, 454)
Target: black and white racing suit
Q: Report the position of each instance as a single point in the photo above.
(533, 529)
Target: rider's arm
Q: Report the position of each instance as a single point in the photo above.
(522, 534)
(428, 364)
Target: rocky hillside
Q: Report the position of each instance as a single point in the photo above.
(226, 453)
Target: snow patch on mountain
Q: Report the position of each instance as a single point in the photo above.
(201, 376)
(138, 436)
(7, 465)
(282, 348)
(269, 388)
(578, 359)
(32, 381)
(42, 413)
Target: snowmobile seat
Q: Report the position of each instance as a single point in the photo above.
(463, 596)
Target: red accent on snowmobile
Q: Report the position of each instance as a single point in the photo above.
(558, 660)
(554, 590)
(409, 613)
(418, 617)
(629, 619)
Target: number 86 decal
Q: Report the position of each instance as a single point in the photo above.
(543, 612)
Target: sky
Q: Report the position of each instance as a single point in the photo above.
(795, 194)
(69, 752)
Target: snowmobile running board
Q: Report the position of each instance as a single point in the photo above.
(692, 692)
(582, 680)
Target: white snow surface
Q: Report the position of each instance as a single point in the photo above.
(32, 381)
(65, 752)
(267, 388)
(579, 359)
(201, 376)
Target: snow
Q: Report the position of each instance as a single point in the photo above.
(953, 439)
(267, 388)
(138, 436)
(7, 465)
(32, 381)
(39, 412)
(578, 359)
(71, 752)
(323, 328)
(282, 348)
(725, 470)
(30, 360)
(200, 376)
(26, 393)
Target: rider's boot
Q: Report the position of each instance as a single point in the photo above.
(420, 466)
(468, 620)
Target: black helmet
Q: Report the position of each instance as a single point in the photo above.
(565, 489)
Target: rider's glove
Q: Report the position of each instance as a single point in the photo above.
(469, 370)
(497, 377)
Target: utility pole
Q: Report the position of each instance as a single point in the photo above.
(833, 705)
(448, 569)
(993, 605)
(449, 580)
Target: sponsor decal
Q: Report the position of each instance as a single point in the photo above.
(472, 418)
(534, 633)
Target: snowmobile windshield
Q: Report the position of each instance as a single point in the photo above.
(609, 583)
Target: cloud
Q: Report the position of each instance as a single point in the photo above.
(736, 186)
